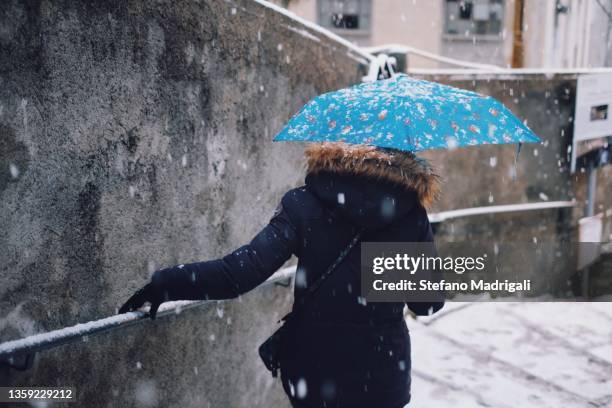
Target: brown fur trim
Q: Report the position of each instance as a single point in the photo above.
(400, 167)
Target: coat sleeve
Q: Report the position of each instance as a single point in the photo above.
(236, 273)
(430, 307)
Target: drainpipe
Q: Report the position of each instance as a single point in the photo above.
(518, 49)
(589, 211)
(591, 190)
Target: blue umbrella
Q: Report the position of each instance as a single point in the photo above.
(406, 114)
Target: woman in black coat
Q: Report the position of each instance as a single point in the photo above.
(341, 351)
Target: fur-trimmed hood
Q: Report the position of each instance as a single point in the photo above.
(402, 168)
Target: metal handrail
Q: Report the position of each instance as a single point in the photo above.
(30, 345)
(66, 335)
(496, 209)
(407, 49)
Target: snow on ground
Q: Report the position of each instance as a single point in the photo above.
(513, 355)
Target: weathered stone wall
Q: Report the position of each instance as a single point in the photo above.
(127, 126)
(487, 175)
(134, 135)
(484, 175)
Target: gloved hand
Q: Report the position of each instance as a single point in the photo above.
(149, 293)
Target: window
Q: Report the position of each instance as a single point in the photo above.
(474, 17)
(348, 15)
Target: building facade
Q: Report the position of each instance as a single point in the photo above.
(476, 31)
(568, 33)
(547, 33)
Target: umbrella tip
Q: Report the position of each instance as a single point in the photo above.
(518, 151)
(516, 157)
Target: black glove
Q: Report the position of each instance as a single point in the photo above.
(149, 293)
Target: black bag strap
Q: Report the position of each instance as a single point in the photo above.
(330, 269)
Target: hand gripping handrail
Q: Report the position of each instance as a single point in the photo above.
(26, 347)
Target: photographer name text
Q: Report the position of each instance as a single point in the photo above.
(442, 285)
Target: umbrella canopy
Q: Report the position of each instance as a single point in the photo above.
(406, 114)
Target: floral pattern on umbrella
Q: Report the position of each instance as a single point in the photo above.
(406, 114)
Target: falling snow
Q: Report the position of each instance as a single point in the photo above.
(146, 393)
(302, 389)
(14, 170)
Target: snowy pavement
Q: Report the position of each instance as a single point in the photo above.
(513, 355)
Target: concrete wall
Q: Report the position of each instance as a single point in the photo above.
(417, 23)
(485, 175)
(579, 37)
(538, 33)
(600, 41)
(134, 135)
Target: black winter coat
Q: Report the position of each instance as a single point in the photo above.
(343, 351)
